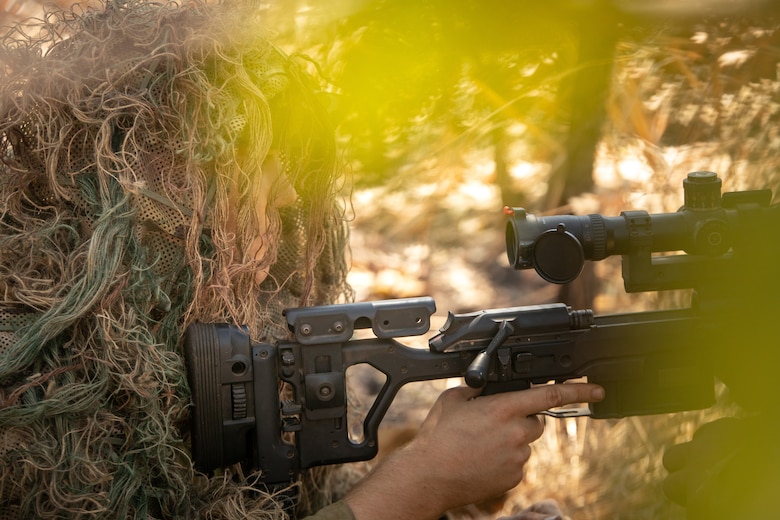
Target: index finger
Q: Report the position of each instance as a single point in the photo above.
(545, 397)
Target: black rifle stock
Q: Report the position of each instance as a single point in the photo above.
(648, 362)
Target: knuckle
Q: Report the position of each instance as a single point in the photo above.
(533, 428)
(449, 394)
(452, 394)
(524, 453)
(554, 396)
(527, 452)
(539, 427)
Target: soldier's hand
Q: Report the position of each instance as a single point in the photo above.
(730, 469)
(470, 448)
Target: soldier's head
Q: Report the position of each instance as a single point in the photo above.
(161, 164)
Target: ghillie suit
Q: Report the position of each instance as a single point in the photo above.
(149, 158)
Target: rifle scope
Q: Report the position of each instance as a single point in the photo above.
(557, 246)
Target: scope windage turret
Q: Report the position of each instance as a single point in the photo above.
(557, 246)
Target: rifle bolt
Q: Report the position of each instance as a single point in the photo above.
(305, 329)
(338, 326)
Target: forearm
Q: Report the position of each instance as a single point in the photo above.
(398, 488)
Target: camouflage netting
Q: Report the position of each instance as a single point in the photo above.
(151, 158)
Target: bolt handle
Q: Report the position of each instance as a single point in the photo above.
(476, 375)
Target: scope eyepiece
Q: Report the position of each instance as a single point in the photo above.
(555, 253)
(556, 246)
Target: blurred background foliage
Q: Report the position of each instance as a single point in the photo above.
(416, 81)
(449, 109)
(431, 77)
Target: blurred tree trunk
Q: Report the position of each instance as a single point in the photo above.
(587, 90)
(585, 93)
